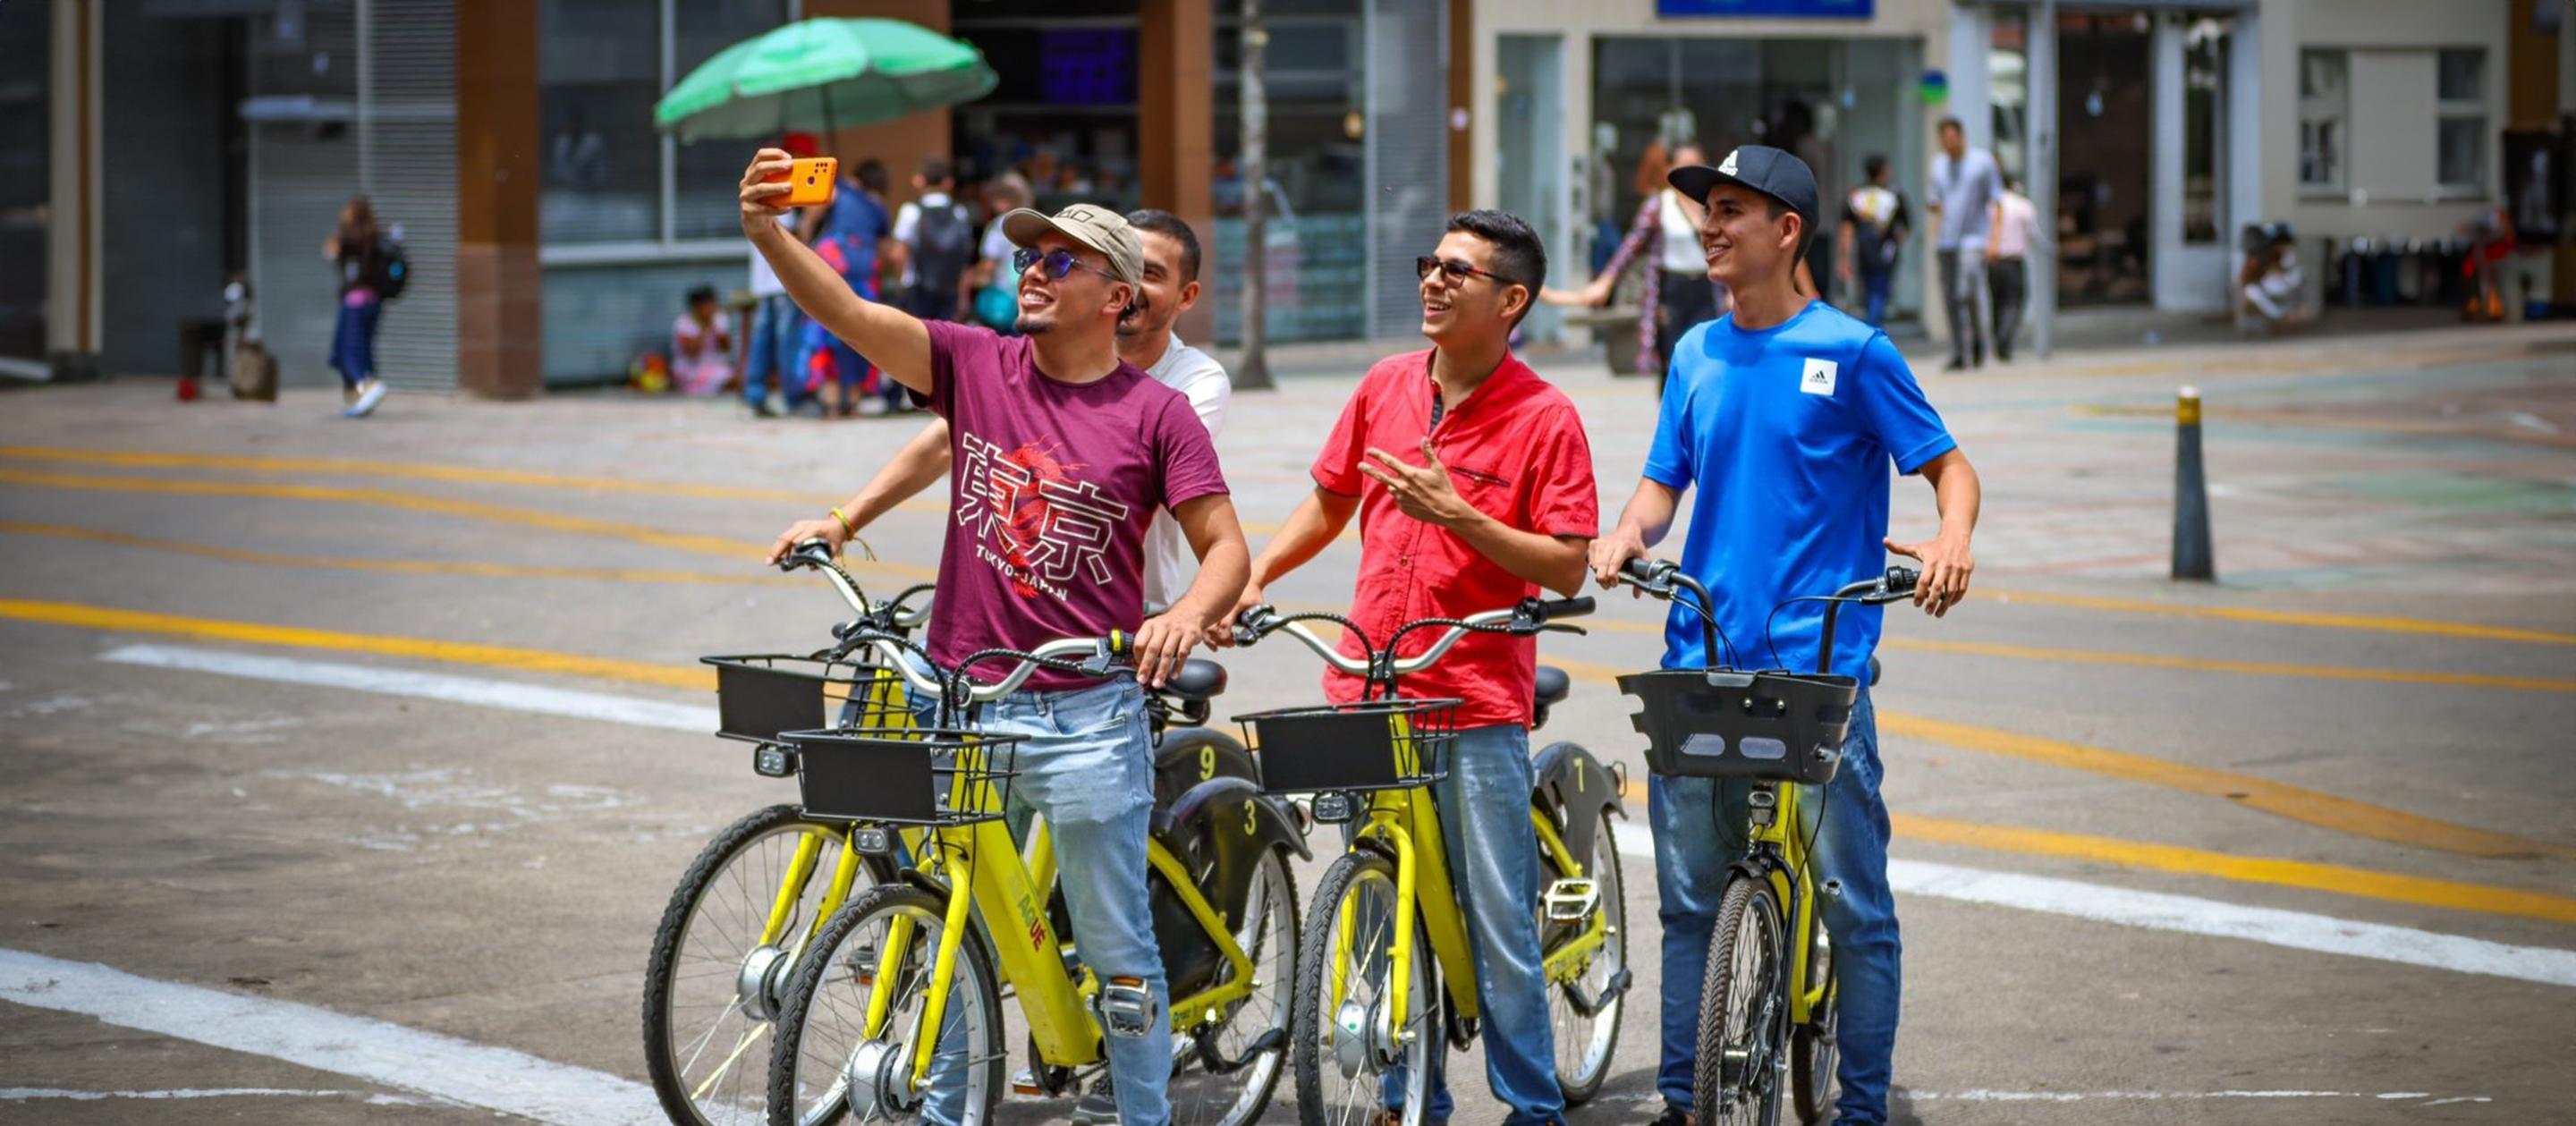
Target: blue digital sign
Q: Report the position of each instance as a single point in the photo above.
(1793, 9)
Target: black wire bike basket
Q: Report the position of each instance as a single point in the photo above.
(1369, 745)
(903, 775)
(1765, 726)
(760, 696)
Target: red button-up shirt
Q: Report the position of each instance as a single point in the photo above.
(1515, 449)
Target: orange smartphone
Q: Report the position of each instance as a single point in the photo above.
(810, 181)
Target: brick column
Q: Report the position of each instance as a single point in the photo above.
(500, 289)
(1176, 132)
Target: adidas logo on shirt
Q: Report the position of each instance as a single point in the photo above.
(1819, 377)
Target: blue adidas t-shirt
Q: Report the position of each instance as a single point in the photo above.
(1786, 435)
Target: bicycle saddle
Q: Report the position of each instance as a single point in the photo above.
(1197, 682)
(1553, 685)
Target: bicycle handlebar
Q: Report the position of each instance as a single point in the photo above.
(1664, 579)
(818, 555)
(1529, 617)
(1101, 658)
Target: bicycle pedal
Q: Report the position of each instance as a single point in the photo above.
(1024, 1083)
(1571, 901)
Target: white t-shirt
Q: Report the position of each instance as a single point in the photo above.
(907, 225)
(1679, 251)
(764, 281)
(1964, 189)
(1169, 562)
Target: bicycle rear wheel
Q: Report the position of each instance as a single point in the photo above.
(1743, 1013)
(1585, 1044)
(824, 1067)
(1343, 1056)
(1813, 1052)
(1227, 1076)
(711, 986)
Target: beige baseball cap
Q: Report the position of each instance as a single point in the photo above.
(1096, 227)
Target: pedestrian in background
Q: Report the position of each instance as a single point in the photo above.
(702, 345)
(2015, 227)
(362, 254)
(1965, 184)
(1665, 236)
(995, 284)
(776, 325)
(934, 243)
(1875, 227)
(850, 236)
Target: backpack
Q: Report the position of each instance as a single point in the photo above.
(393, 269)
(942, 247)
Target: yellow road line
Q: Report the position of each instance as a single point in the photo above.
(2194, 664)
(398, 566)
(744, 550)
(2372, 623)
(2334, 878)
(2325, 811)
(2339, 879)
(452, 652)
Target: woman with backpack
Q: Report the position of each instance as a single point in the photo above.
(371, 270)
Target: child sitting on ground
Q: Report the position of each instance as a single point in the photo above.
(702, 345)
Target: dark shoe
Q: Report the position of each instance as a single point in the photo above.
(1099, 1107)
(1674, 1116)
(1955, 364)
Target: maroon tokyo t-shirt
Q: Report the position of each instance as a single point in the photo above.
(1049, 497)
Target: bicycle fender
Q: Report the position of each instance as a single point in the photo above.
(1576, 788)
(1188, 756)
(1220, 801)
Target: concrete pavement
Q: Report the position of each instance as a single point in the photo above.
(2364, 722)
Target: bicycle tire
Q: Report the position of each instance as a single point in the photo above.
(1752, 992)
(1276, 963)
(731, 1104)
(1579, 1086)
(1814, 1047)
(1310, 1047)
(976, 1001)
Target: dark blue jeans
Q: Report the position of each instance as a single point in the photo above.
(1875, 288)
(775, 327)
(1699, 828)
(353, 341)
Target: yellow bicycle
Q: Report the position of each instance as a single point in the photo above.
(750, 904)
(899, 1010)
(1368, 1002)
(1766, 1019)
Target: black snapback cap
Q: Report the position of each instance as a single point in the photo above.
(1772, 172)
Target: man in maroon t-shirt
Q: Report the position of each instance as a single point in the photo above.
(1501, 504)
(1061, 453)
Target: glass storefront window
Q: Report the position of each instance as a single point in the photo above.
(1315, 234)
(26, 58)
(599, 70)
(2204, 125)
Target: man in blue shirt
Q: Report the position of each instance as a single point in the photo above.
(1785, 415)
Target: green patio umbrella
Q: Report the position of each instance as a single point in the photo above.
(819, 75)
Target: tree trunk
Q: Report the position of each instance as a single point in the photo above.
(1253, 370)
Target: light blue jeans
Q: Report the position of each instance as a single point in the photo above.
(1699, 828)
(1493, 863)
(1088, 765)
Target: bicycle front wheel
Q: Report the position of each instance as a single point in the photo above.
(1743, 1011)
(826, 1067)
(1354, 1059)
(1585, 1043)
(712, 986)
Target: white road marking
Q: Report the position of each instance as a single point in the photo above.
(373, 1050)
(30, 1094)
(2152, 910)
(506, 694)
(2169, 1096)
(2298, 930)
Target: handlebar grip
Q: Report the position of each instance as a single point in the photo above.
(807, 553)
(1565, 608)
(1900, 580)
(1648, 571)
(1120, 644)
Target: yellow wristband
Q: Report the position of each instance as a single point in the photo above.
(846, 527)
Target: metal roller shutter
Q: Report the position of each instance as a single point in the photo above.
(1408, 155)
(407, 165)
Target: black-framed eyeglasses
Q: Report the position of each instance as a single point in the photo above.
(1455, 272)
(1059, 262)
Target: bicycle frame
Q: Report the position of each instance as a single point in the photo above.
(985, 875)
(1782, 856)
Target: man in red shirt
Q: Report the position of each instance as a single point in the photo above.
(1473, 484)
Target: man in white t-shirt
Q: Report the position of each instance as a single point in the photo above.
(1145, 339)
(935, 245)
(1965, 184)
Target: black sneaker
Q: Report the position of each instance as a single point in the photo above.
(1097, 1108)
(1674, 1116)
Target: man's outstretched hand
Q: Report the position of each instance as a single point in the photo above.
(1947, 563)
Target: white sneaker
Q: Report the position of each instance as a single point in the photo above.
(372, 394)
